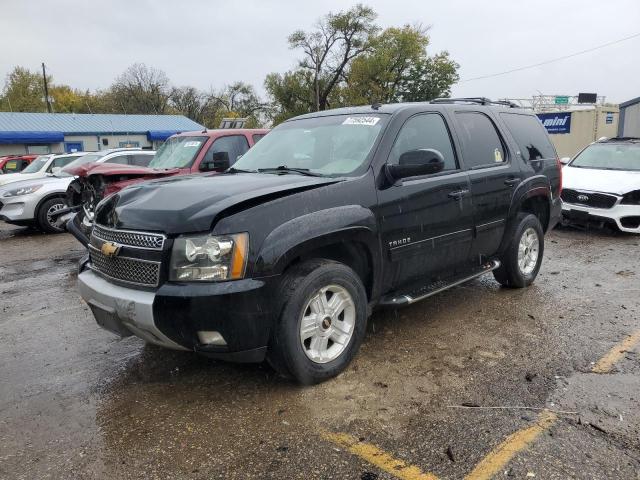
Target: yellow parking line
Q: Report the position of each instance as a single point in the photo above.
(498, 458)
(606, 363)
(379, 458)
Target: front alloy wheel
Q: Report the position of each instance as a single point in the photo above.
(327, 324)
(322, 321)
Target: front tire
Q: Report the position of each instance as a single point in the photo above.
(322, 322)
(44, 218)
(522, 258)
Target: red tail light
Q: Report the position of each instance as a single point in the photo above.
(559, 175)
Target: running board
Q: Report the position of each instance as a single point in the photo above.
(413, 295)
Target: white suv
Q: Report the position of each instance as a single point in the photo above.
(34, 202)
(41, 166)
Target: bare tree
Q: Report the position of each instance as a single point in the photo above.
(141, 89)
(338, 38)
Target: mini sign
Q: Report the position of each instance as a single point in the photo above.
(559, 122)
(562, 100)
(609, 118)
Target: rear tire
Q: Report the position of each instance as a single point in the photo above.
(43, 215)
(522, 258)
(323, 320)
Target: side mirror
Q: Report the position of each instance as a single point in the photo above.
(56, 170)
(218, 162)
(565, 160)
(413, 163)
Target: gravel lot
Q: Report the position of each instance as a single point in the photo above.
(77, 402)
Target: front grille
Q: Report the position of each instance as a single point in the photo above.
(130, 270)
(589, 199)
(150, 241)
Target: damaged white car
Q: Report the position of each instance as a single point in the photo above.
(602, 185)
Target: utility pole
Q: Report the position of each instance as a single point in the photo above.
(46, 88)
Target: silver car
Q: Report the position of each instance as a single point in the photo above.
(34, 202)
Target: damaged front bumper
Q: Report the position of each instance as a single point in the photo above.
(625, 217)
(183, 316)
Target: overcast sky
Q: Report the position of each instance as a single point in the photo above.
(86, 44)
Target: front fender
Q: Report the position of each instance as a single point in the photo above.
(349, 223)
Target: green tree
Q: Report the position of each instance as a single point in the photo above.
(376, 75)
(23, 91)
(431, 77)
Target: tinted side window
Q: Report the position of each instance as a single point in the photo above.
(530, 135)
(61, 162)
(481, 144)
(257, 137)
(425, 131)
(140, 160)
(234, 145)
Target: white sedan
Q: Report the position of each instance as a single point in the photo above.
(602, 185)
(35, 202)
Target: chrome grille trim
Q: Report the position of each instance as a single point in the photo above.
(130, 238)
(133, 271)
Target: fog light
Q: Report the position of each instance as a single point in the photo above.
(211, 338)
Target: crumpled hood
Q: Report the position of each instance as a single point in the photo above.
(607, 181)
(87, 169)
(191, 203)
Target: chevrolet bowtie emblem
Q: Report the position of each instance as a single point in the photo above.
(110, 249)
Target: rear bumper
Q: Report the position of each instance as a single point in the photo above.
(171, 316)
(625, 217)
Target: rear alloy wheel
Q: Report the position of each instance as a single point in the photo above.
(45, 216)
(322, 322)
(522, 258)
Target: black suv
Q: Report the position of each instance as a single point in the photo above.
(333, 213)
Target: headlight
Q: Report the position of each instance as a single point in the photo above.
(16, 192)
(209, 258)
(631, 198)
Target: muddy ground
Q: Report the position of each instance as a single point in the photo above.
(76, 402)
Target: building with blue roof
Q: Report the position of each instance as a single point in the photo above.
(42, 133)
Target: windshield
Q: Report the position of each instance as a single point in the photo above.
(37, 164)
(609, 156)
(177, 152)
(333, 146)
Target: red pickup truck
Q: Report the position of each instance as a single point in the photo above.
(15, 163)
(181, 154)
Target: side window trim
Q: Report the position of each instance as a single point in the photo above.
(451, 141)
(505, 147)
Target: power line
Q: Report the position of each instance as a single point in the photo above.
(553, 60)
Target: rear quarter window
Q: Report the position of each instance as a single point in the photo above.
(531, 137)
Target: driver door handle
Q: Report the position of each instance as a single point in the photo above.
(512, 181)
(458, 194)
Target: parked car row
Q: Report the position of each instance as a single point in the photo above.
(34, 196)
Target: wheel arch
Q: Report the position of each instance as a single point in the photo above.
(346, 234)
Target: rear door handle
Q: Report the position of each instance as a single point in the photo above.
(458, 194)
(512, 181)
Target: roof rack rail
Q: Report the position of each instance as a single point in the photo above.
(619, 139)
(476, 100)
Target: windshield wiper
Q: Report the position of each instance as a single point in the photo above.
(239, 170)
(285, 169)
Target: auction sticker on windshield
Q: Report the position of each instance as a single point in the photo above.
(361, 121)
(191, 144)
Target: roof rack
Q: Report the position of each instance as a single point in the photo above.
(476, 100)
